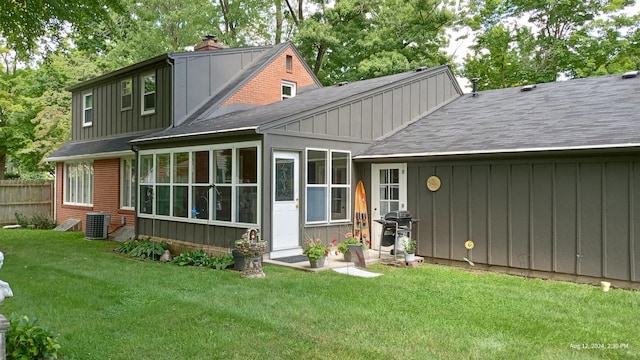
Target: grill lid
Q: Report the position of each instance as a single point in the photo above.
(394, 215)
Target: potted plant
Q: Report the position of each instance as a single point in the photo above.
(409, 246)
(316, 251)
(343, 246)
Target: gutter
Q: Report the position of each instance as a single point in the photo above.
(499, 151)
(180, 136)
(104, 155)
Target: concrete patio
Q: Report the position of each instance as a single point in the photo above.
(337, 261)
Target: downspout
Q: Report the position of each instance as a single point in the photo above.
(55, 192)
(134, 148)
(173, 98)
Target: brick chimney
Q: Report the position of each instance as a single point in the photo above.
(210, 42)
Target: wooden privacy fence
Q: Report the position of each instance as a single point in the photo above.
(28, 197)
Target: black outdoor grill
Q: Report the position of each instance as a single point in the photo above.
(395, 224)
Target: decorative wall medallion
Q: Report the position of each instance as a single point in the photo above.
(433, 183)
(469, 244)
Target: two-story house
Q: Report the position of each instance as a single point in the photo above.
(97, 170)
(198, 146)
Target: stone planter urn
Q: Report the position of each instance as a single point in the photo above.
(252, 248)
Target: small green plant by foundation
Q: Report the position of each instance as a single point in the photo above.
(192, 258)
(201, 259)
(27, 340)
(143, 249)
(221, 262)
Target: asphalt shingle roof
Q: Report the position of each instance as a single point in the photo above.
(93, 147)
(595, 112)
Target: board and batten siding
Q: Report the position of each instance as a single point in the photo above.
(380, 113)
(200, 75)
(108, 117)
(573, 217)
(196, 233)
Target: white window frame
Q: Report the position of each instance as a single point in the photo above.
(328, 186)
(346, 186)
(235, 184)
(143, 93)
(291, 85)
(123, 94)
(127, 171)
(81, 185)
(86, 123)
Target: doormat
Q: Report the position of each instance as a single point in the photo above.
(354, 271)
(292, 259)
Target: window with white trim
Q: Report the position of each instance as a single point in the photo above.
(126, 94)
(288, 90)
(328, 186)
(78, 183)
(87, 109)
(127, 183)
(148, 93)
(205, 183)
(340, 185)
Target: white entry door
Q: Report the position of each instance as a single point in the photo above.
(388, 193)
(286, 205)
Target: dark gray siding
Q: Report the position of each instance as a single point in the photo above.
(573, 216)
(200, 75)
(211, 235)
(299, 144)
(380, 113)
(108, 117)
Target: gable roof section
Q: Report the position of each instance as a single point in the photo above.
(589, 113)
(212, 104)
(265, 118)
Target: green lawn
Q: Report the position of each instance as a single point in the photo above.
(105, 306)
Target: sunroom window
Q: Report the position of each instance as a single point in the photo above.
(212, 183)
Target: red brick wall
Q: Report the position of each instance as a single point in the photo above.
(106, 195)
(265, 88)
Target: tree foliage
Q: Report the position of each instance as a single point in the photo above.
(531, 41)
(358, 39)
(24, 22)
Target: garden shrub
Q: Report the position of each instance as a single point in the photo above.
(26, 340)
(36, 221)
